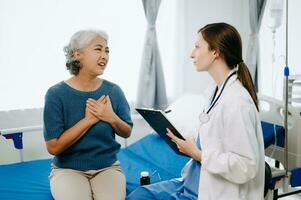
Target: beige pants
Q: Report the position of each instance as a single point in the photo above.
(104, 184)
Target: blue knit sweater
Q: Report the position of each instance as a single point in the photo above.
(65, 106)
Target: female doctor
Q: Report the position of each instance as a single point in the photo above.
(228, 156)
(231, 140)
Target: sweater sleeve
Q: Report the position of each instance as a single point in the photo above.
(123, 108)
(237, 161)
(53, 116)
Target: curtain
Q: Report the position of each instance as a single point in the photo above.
(256, 12)
(151, 87)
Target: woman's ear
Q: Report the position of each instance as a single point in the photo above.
(216, 53)
(77, 54)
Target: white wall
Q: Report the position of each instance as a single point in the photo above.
(194, 14)
(294, 42)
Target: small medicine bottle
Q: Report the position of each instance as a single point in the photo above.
(144, 178)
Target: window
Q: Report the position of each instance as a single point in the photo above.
(33, 34)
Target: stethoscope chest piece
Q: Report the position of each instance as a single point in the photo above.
(204, 118)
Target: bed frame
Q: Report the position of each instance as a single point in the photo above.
(272, 111)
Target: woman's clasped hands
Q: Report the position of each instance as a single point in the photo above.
(101, 109)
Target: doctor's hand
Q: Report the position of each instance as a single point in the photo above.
(187, 146)
(102, 108)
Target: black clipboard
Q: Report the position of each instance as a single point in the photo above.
(157, 120)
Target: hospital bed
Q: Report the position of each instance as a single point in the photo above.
(272, 112)
(143, 151)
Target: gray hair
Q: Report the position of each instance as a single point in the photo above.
(79, 41)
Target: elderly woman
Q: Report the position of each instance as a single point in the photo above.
(81, 116)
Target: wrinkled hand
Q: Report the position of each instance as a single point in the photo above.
(187, 146)
(102, 108)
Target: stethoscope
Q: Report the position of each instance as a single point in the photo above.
(204, 116)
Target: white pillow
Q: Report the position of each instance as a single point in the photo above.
(185, 112)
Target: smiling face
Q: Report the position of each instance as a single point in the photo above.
(201, 55)
(94, 58)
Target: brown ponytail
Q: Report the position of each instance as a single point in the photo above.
(245, 78)
(226, 39)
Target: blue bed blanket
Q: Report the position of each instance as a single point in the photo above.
(29, 180)
(26, 180)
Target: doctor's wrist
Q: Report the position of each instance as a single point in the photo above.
(197, 155)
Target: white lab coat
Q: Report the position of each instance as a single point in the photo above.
(232, 148)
